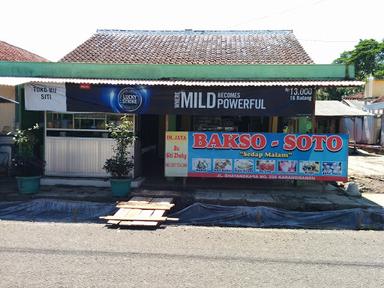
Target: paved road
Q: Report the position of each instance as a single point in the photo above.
(90, 255)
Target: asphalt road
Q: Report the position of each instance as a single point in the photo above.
(90, 255)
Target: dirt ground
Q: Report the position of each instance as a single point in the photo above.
(367, 170)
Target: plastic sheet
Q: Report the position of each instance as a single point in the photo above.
(369, 130)
(354, 127)
(359, 129)
(364, 130)
(49, 210)
(382, 131)
(346, 126)
(267, 217)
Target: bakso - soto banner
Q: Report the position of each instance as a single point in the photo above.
(257, 155)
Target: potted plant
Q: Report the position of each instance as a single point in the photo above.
(120, 165)
(26, 166)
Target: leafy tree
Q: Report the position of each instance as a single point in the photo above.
(333, 93)
(368, 59)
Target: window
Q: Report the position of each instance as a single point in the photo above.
(80, 124)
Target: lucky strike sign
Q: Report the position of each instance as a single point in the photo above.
(191, 100)
(257, 155)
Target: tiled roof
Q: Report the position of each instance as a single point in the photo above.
(9, 52)
(191, 47)
(379, 99)
(356, 96)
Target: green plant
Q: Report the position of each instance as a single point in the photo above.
(26, 140)
(368, 58)
(121, 163)
(25, 162)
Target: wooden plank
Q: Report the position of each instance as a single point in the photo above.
(164, 200)
(141, 211)
(137, 218)
(113, 222)
(119, 213)
(153, 213)
(137, 202)
(135, 211)
(138, 223)
(138, 199)
(155, 203)
(145, 214)
(129, 213)
(132, 212)
(124, 213)
(148, 206)
(158, 213)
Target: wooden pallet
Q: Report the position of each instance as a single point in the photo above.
(141, 211)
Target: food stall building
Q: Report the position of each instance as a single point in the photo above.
(229, 104)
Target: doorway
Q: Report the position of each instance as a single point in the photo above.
(151, 136)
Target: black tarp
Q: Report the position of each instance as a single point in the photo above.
(267, 217)
(50, 210)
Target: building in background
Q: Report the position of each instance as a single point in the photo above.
(8, 111)
(368, 129)
(9, 108)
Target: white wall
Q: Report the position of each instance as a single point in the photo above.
(74, 156)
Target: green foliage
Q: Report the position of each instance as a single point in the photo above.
(334, 93)
(26, 140)
(368, 58)
(25, 163)
(121, 163)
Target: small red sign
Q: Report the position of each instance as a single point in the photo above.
(86, 86)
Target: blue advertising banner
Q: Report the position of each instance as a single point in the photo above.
(191, 100)
(257, 155)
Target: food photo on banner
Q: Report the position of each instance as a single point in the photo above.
(257, 155)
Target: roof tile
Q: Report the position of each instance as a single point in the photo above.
(12, 53)
(191, 47)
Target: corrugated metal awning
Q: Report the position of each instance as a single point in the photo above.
(7, 100)
(375, 106)
(13, 81)
(337, 108)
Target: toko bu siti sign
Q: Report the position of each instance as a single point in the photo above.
(257, 155)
